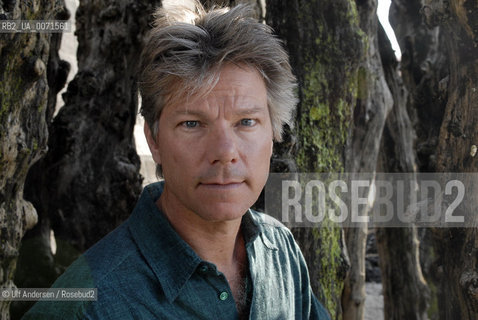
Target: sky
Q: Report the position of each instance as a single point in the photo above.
(382, 12)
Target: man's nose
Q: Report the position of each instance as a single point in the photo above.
(222, 146)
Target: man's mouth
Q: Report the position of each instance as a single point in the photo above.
(224, 185)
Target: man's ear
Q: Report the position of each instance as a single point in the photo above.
(153, 145)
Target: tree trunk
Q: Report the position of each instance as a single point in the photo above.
(91, 172)
(36, 263)
(457, 248)
(404, 288)
(24, 93)
(89, 181)
(425, 75)
(374, 101)
(440, 72)
(325, 46)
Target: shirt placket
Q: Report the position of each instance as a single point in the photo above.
(217, 285)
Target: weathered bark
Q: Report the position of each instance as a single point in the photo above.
(36, 263)
(440, 71)
(404, 288)
(374, 101)
(325, 45)
(89, 181)
(425, 76)
(457, 248)
(24, 92)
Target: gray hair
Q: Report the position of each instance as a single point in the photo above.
(188, 46)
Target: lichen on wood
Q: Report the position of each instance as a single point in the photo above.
(325, 44)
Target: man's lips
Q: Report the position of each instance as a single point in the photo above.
(221, 185)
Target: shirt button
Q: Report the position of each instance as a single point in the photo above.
(224, 295)
(203, 269)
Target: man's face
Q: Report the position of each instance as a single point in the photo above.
(215, 151)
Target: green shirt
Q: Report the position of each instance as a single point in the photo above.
(144, 270)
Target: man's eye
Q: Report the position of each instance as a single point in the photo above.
(190, 124)
(248, 122)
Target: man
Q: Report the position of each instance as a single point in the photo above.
(216, 89)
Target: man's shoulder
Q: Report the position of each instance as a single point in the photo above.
(109, 253)
(268, 223)
(274, 233)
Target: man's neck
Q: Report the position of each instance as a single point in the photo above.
(219, 242)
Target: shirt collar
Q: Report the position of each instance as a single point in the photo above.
(172, 260)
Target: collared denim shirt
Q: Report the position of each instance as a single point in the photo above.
(144, 270)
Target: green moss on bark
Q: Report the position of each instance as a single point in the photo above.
(324, 128)
(323, 135)
(326, 45)
(329, 91)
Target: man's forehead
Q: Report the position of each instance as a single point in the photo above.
(236, 103)
(192, 109)
(238, 88)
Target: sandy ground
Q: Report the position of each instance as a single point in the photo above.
(373, 302)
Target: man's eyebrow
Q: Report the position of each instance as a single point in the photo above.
(250, 110)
